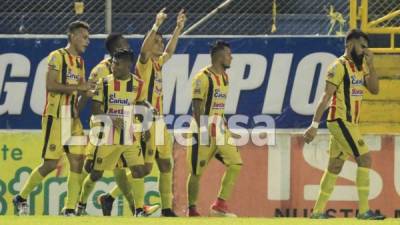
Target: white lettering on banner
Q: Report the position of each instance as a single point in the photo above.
(14, 91)
(176, 72)
(316, 155)
(302, 87)
(177, 80)
(278, 79)
(279, 169)
(38, 98)
(237, 82)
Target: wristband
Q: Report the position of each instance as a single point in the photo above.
(315, 125)
(155, 28)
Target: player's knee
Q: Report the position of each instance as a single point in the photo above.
(335, 168)
(88, 165)
(364, 160)
(96, 175)
(147, 168)
(48, 166)
(138, 172)
(164, 165)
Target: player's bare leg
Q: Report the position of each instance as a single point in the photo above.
(35, 178)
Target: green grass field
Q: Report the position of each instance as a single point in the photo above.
(88, 220)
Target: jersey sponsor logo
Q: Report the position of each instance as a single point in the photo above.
(218, 105)
(357, 92)
(71, 76)
(113, 99)
(219, 94)
(356, 82)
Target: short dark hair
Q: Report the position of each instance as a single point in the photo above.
(73, 26)
(124, 54)
(356, 34)
(218, 46)
(111, 40)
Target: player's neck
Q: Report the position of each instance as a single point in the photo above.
(217, 69)
(71, 50)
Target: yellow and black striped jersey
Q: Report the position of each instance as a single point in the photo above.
(150, 73)
(71, 70)
(350, 83)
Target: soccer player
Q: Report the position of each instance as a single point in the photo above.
(117, 90)
(65, 85)
(346, 81)
(148, 67)
(209, 91)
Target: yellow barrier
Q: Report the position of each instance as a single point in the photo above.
(372, 27)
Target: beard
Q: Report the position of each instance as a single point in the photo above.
(357, 59)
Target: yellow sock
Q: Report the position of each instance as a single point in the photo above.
(138, 191)
(228, 181)
(165, 187)
(327, 184)
(34, 179)
(193, 189)
(74, 187)
(84, 174)
(362, 183)
(87, 188)
(120, 179)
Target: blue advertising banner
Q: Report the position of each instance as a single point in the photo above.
(278, 76)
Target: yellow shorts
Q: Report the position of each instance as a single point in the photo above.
(199, 155)
(106, 157)
(90, 151)
(157, 148)
(52, 146)
(345, 140)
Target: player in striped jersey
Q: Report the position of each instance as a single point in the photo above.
(346, 82)
(209, 91)
(66, 87)
(149, 68)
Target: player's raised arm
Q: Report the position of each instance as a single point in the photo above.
(145, 51)
(371, 79)
(171, 46)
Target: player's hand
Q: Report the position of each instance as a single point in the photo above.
(160, 18)
(310, 134)
(118, 123)
(369, 57)
(87, 86)
(181, 19)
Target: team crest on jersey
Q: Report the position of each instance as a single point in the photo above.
(361, 142)
(99, 160)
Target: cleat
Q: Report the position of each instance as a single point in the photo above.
(68, 212)
(106, 201)
(81, 209)
(319, 216)
(220, 209)
(168, 213)
(21, 205)
(193, 212)
(147, 210)
(370, 215)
